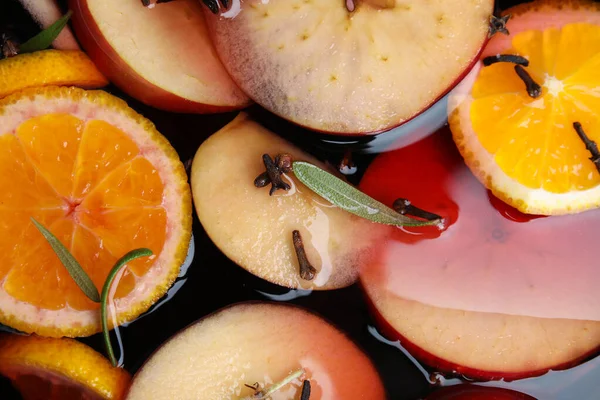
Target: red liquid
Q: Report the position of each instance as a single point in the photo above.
(488, 257)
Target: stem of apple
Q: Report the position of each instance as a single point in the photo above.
(263, 394)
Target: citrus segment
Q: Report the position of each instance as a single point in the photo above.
(103, 181)
(526, 149)
(134, 184)
(32, 191)
(48, 67)
(125, 229)
(53, 369)
(52, 155)
(103, 148)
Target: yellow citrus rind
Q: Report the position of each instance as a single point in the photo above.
(66, 358)
(49, 68)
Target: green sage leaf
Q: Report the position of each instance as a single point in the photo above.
(44, 39)
(81, 278)
(123, 261)
(348, 198)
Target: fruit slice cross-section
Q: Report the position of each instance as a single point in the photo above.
(59, 369)
(260, 343)
(496, 294)
(323, 67)
(523, 148)
(162, 56)
(255, 230)
(104, 182)
(49, 68)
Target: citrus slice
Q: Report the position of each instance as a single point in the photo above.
(49, 67)
(523, 148)
(104, 181)
(59, 369)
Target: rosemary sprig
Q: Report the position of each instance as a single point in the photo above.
(123, 261)
(267, 392)
(44, 39)
(83, 280)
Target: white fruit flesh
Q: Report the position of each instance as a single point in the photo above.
(323, 67)
(168, 46)
(486, 344)
(263, 343)
(45, 13)
(255, 230)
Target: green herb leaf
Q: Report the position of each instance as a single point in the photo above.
(348, 198)
(132, 255)
(44, 39)
(80, 277)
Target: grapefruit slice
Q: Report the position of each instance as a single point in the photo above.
(321, 66)
(526, 149)
(59, 369)
(257, 344)
(104, 181)
(49, 68)
(497, 294)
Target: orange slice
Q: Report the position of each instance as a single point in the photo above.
(59, 369)
(104, 181)
(49, 67)
(526, 149)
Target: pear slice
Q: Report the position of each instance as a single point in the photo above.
(255, 229)
(322, 66)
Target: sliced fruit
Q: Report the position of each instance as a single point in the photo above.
(321, 66)
(49, 68)
(161, 56)
(257, 344)
(104, 181)
(526, 149)
(59, 369)
(474, 392)
(496, 293)
(45, 13)
(255, 230)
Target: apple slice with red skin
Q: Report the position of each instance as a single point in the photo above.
(255, 229)
(162, 56)
(474, 392)
(362, 72)
(482, 297)
(262, 343)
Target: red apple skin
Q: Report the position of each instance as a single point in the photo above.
(449, 368)
(120, 74)
(473, 392)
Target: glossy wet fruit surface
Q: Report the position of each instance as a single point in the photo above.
(257, 344)
(59, 369)
(102, 180)
(526, 149)
(321, 66)
(213, 281)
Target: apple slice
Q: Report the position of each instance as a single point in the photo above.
(257, 344)
(474, 392)
(255, 230)
(161, 56)
(321, 66)
(497, 294)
